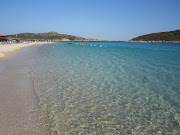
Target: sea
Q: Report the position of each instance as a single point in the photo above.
(109, 88)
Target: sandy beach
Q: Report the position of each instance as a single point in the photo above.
(8, 51)
(19, 112)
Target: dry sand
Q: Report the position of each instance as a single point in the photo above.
(19, 110)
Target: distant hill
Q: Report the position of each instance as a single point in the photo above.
(54, 36)
(173, 36)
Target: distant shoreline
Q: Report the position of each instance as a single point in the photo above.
(90, 41)
(127, 41)
(161, 37)
(154, 41)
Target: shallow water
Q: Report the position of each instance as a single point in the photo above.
(115, 88)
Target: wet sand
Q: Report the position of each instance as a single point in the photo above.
(19, 110)
(8, 51)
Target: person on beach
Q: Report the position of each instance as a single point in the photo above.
(10, 41)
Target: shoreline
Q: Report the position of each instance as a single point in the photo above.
(19, 106)
(9, 51)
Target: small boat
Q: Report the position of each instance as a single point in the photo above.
(69, 43)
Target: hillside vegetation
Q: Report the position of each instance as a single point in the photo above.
(162, 36)
(54, 36)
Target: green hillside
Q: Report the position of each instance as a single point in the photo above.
(162, 36)
(54, 36)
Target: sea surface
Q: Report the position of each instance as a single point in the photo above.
(104, 88)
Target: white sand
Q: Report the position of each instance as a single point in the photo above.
(7, 51)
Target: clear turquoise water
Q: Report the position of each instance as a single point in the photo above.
(123, 88)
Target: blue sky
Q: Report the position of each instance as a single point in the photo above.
(101, 19)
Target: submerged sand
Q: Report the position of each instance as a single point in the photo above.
(19, 110)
